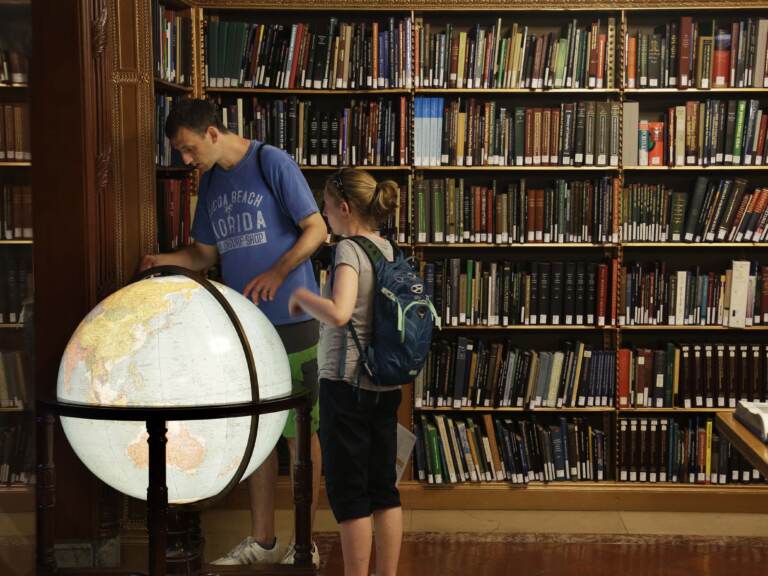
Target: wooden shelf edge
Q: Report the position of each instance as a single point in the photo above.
(720, 90)
(171, 86)
(13, 164)
(518, 168)
(746, 167)
(553, 327)
(696, 245)
(17, 498)
(514, 409)
(573, 496)
(515, 245)
(322, 92)
(532, 91)
(651, 327)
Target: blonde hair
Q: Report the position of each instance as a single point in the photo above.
(371, 201)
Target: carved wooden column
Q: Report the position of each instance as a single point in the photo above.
(74, 219)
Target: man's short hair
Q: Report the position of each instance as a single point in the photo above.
(193, 114)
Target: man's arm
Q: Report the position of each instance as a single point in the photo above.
(265, 285)
(197, 257)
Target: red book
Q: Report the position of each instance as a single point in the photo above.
(655, 143)
(624, 361)
(721, 62)
(602, 293)
(684, 60)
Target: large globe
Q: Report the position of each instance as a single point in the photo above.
(166, 341)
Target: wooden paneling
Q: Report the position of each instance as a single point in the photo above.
(132, 133)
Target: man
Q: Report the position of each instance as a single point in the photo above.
(256, 214)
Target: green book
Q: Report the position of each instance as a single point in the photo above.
(677, 215)
(738, 147)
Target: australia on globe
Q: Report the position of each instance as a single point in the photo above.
(166, 341)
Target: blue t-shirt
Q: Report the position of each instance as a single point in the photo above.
(237, 212)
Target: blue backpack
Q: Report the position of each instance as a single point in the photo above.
(402, 319)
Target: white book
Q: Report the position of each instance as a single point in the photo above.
(739, 288)
(754, 415)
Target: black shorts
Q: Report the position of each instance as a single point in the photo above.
(358, 435)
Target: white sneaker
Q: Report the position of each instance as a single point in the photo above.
(291, 550)
(249, 552)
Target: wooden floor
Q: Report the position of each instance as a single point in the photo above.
(457, 557)
(428, 554)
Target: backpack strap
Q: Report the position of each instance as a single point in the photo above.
(278, 197)
(375, 255)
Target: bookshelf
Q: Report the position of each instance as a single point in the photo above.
(628, 17)
(16, 245)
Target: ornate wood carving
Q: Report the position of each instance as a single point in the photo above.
(132, 130)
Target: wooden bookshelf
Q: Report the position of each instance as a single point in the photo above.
(485, 409)
(175, 169)
(513, 245)
(577, 496)
(695, 245)
(517, 168)
(694, 91)
(745, 440)
(538, 327)
(11, 164)
(568, 495)
(311, 91)
(165, 86)
(687, 327)
(16, 242)
(372, 168)
(532, 91)
(17, 498)
(728, 168)
(674, 410)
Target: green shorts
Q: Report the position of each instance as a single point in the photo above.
(300, 341)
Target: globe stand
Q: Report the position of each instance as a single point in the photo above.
(156, 418)
(157, 491)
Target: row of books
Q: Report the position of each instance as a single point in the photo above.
(176, 206)
(368, 132)
(653, 293)
(452, 450)
(165, 154)
(479, 373)
(171, 44)
(14, 66)
(447, 210)
(708, 133)
(468, 132)
(700, 53)
(685, 450)
(15, 284)
(14, 379)
(475, 292)
(704, 375)
(715, 211)
(353, 55)
(15, 212)
(15, 133)
(17, 454)
(579, 56)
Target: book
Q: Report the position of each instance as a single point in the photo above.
(754, 415)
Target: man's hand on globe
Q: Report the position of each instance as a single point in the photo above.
(149, 261)
(264, 286)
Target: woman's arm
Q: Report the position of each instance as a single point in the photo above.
(334, 311)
